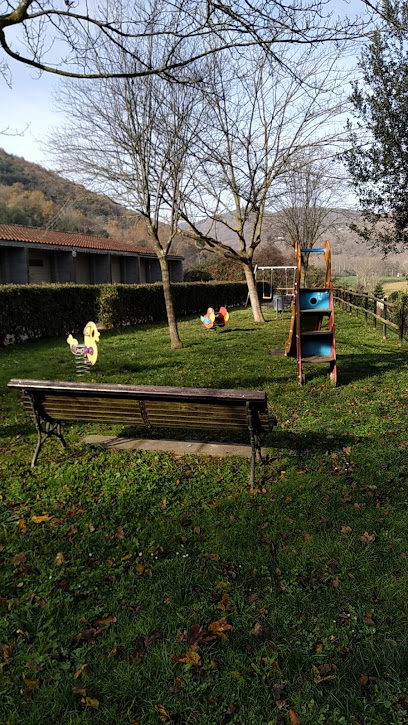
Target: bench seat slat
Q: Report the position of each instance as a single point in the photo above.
(214, 395)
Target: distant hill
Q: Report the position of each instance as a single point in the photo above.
(33, 196)
(33, 177)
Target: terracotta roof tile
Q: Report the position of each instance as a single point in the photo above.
(33, 235)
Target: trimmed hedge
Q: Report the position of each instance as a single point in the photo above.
(29, 312)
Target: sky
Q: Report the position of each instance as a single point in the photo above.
(27, 109)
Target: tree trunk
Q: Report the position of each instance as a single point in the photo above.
(253, 293)
(175, 341)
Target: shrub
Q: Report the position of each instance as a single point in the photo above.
(198, 274)
(29, 312)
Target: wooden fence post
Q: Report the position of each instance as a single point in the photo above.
(401, 323)
(366, 308)
(384, 334)
(375, 312)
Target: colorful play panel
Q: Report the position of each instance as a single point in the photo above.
(211, 318)
(86, 354)
(311, 336)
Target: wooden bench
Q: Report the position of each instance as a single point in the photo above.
(51, 402)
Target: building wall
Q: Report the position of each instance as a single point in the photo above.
(100, 269)
(62, 267)
(13, 265)
(116, 276)
(176, 270)
(130, 270)
(39, 266)
(154, 272)
(82, 271)
(20, 265)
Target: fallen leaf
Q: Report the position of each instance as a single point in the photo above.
(89, 702)
(21, 525)
(120, 534)
(7, 650)
(225, 603)
(321, 673)
(368, 619)
(79, 690)
(32, 684)
(346, 530)
(319, 648)
(220, 627)
(88, 635)
(91, 527)
(294, 718)
(363, 679)
(189, 658)
(149, 639)
(367, 538)
(19, 559)
(163, 504)
(41, 519)
(236, 674)
(275, 666)
(60, 559)
(126, 557)
(164, 714)
(105, 620)
(79, 672)
(196, 633)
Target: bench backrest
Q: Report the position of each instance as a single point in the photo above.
(157, 406)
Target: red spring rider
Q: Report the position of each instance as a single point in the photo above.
(211, 318)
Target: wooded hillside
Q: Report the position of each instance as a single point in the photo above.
(33, 196)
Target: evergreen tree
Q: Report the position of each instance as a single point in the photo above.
(378, 157)
(378, 290)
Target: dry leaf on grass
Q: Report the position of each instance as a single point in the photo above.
(367, 538)
(41, 519)
(220, 627)
(89, 702)
(294, 718)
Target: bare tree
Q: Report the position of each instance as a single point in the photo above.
(69, 38)
(130, 137)
(311, 189)
(259, 118)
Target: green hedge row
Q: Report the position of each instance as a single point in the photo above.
(29, 312)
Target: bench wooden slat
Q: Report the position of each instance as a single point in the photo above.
(130, 405)
(212, 395)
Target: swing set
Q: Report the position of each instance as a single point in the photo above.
(265, 274)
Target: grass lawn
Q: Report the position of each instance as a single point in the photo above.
(146, 588)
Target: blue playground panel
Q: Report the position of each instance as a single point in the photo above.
(320, 347)
(314, 300)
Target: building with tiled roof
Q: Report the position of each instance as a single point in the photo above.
(33, 256)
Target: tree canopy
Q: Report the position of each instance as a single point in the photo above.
(378, 156)
(76, 39)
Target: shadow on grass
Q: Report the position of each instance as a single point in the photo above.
(310, 442)
(17, 429)
(364, 365)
